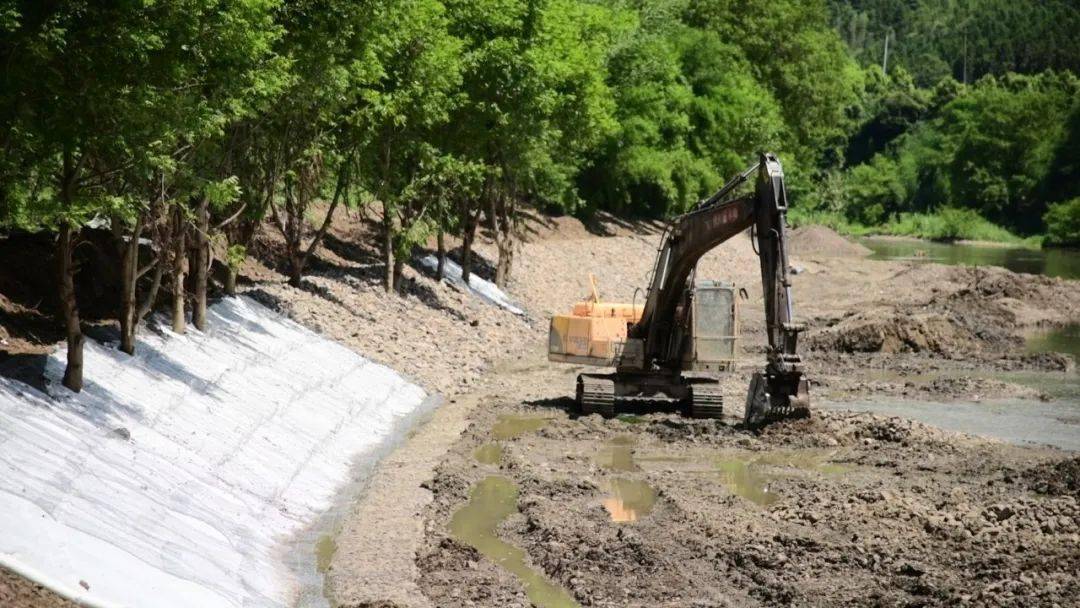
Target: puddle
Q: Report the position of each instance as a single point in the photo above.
(631, 418)
(739, 477)
(662, 458)
(489, 453)
(325, 549)
(750, 475)
(629, 500)
(618, 455)
(492, 501)
(1020, 421)
(1061, 340)
(509, 427)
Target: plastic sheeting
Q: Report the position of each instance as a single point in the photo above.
(177, 476)
(481, 287)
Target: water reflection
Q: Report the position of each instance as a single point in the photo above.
(629, 500)
(1051, 262)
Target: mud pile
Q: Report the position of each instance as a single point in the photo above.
(809, 241)
(890, 331)
(1056, 479)
(959, 311)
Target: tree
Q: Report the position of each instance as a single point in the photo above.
(536, 101)
(792, 51)
(400, 116)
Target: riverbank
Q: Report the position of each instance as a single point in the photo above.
(944, 334)
(946, 225)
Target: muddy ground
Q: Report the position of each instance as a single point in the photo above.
(660, 510)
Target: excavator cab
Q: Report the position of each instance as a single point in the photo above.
(714, 328)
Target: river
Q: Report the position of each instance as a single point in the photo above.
(1051, 262)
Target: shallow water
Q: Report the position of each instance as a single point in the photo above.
(509, 427)
(1060, 340)
(618, 455)
(629, 500)
(1022, 421)
(748, 482)
(493, 500)
(1051, 262)
(325, 549)
(489, 453)
(750, 474)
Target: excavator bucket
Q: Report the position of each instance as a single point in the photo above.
(773, 397)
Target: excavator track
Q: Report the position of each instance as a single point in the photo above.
(596, 395)
(706, 401)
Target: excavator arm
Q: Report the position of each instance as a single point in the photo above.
(779, 390)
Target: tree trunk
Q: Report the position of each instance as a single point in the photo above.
(69, 309)
(502, 227)
(151, 294)
(202, 261)
(230, 280)
(296, 270)
(440, 240)
(399, 268)
(506, 260)
(468, 236)
(179, 324)
(129, 270)
(388, 247)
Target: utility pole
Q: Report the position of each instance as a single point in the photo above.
(885, 58)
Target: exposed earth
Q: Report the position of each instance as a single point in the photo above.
(841, 508)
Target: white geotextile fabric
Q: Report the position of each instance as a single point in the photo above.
(481, 287)
(238, 439)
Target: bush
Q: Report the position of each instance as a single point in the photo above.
(1063, 223)
(949, 224)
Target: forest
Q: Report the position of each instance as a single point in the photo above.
(191, 125)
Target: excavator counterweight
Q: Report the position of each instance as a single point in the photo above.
(691, 326)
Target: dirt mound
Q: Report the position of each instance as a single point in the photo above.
(1056, 478)
(889, 331)
(540, 227)
(822, 241)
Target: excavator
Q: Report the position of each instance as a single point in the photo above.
(687, 325)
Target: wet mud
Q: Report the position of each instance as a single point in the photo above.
(659, 510)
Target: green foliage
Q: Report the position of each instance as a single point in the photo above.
(640, 107)
(535, 93)
(964, 39)
(948, 224)
(1063, 223)
(235, 256)
(119, 90)
(1001, 148)
(793, 51)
